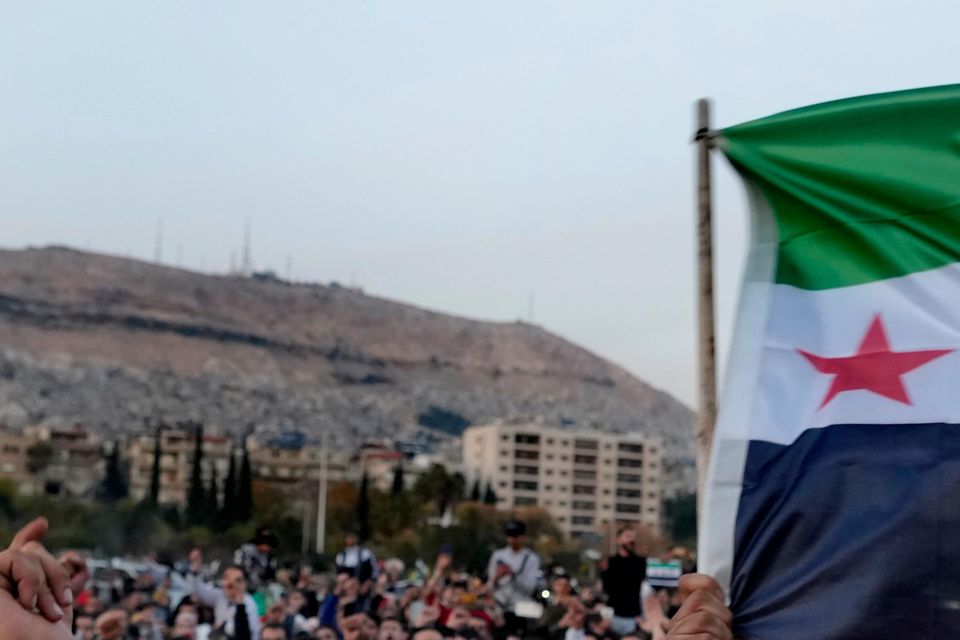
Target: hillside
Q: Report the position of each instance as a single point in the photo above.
(109, 341)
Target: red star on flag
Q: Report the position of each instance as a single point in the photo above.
(874, 367)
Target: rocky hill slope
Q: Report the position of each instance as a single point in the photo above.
(109, 342)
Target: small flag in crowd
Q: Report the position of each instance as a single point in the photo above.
(832, 507)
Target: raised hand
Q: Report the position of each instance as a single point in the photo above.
(703, 615)
(31, 568)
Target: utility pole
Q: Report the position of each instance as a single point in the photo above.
(322, 494)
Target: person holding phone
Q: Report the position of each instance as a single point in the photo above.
(513, 573)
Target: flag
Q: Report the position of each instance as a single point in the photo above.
(832, 505)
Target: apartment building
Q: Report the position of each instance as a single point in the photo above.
(287, 459)
(587, 480)
(51, 461)
(176, 463)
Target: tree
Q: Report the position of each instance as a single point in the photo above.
(229, 513)
(114, 485)
(475, 492)
(39, 456)
(153, 498)
(363, 509)
(245, 487)
(398, 483)
(196, 502)
(681, 518)
(212, 494)
(489, 496)
(440, 488)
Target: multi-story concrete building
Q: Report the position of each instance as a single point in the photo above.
(53, 461)
(176, 461)
(287, 460)
(587, 480)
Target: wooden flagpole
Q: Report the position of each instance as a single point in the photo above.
(706, 338)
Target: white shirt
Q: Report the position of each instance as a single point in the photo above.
(518, 587)
(224, 611)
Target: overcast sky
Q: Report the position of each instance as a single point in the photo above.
(461, 156)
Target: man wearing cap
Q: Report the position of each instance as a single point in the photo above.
(513, 572)
(257, 559)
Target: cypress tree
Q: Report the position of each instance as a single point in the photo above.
(195, 497)
(475, 492)
(245, 487)
(229, 515)
(153, 499)
(397, 487)
(489, 496)
(363, 509)
(114, 485)
(213, 494)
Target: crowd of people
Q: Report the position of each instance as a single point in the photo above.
(47, 598)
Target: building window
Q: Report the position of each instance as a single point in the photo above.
(627, 447)
(549, 441)
(584, 475)
(628, 508)
(526, 470)
(582, 489)
(549, 456)
(584, 506)
(629, 493)
(523, 485)
(590, 445)
(504, 469)
(505, 437)
(591, 460)
(524, 501)
(630, 464)
(527, 438)
(503, 484)
(504, 453)
(548, 487)
(581, 520)
(563, 472)
(549, 472)
(627, 478)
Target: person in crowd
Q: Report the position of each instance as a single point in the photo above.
(326, 633)
(256, 558)
(273, 631)
(235, 611)
(623, 579)
(358, 561)
(513, 573)
(392, 629)
(112, 625)
(83, 625)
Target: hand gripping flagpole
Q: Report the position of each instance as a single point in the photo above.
(707, 414)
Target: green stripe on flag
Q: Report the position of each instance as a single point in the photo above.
(862, 189)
